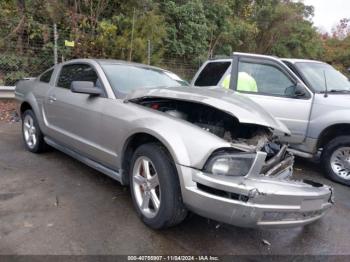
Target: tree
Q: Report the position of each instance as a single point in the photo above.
(284, 29)
(337, 46)
(187, 31)
(342, 30)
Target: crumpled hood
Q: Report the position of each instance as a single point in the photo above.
(243, 108)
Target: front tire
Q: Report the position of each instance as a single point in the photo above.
(155, 187)
(336, 159)
(32, 136)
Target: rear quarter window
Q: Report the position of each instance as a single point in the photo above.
(46, 77)
(212, 73)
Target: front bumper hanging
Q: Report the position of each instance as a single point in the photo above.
(256, 200)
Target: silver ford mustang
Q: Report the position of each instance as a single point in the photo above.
(179, 148)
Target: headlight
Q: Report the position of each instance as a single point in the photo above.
(230, 164)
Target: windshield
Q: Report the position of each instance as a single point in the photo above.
(126, 78)
(317, 74)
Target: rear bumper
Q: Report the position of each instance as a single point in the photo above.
(254, 202)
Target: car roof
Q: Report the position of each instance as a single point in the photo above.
(298, 60)
(291, 60)
(111, 62)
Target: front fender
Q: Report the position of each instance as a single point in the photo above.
(188, 144)
(325, 120)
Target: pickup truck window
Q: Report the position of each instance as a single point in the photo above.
(318, 74)
(46, 77)
(76, 72)
(269, 79)
(212, 73)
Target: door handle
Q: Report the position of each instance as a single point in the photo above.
(52, 99)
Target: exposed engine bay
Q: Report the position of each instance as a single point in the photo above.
(244, 137)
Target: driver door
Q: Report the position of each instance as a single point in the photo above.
(75, 119)
(274, 89)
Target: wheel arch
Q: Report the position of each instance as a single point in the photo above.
(332, 132)
(24, 107)
(31, 102)
(131, 144)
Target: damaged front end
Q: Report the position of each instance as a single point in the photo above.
(249, 183)
(256, 188)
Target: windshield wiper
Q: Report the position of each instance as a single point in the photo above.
(339, 91)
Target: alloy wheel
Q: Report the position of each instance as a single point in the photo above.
(340, 162)
(146, 187)
(29, 131)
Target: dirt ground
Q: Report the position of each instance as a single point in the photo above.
(8, 110)
(53, 204)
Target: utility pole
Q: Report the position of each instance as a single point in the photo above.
(55, 37)
(132, 35)
(149, 52)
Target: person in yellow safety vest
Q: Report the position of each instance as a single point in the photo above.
(245, 82)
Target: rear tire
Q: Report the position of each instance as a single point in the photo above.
(32, 136)
(336, 159)
(155, 187)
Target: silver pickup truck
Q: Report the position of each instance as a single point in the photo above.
(310, 97)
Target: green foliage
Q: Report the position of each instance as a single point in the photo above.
(11, 65)
(187, 31)
(11, 78)
(337, 52)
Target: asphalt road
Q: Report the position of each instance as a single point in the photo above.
(53, 204)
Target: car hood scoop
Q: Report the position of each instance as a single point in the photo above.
(244, 109)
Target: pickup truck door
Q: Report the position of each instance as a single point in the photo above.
(73, 119)
(276, 88)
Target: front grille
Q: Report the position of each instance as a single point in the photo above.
(222, 193)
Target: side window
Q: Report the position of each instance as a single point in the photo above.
(212, 73)
(46, 77)
(263, 79)
(77, 72)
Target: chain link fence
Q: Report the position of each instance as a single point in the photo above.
(28, 59)
(184, 70)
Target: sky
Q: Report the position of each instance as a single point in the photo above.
(329, 12)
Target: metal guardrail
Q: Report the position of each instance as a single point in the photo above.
(7, 91)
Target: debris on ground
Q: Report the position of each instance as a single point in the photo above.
(265, 242)
(56, 202)
(118, 194)
(8, 111)
(217, 226)
(26, 224)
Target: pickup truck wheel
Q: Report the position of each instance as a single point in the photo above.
(336, 159)
(32, 135)
(155, 187)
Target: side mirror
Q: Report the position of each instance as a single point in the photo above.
(85, 87)
(299, 91)
(295, 91)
